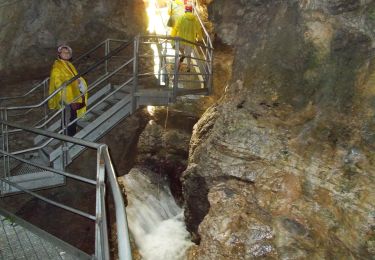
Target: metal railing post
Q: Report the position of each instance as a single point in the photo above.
(165, 63)
(67, 142)
(101, 232)
(64, 146)
(5, 147)
(45, 87)
(124, 249)
(7, 159)
(208, 52)
(176, 68)
(2, 187)
(135, 73)
(210, 72)
(106, 51)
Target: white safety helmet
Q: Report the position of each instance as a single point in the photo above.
(64, 46)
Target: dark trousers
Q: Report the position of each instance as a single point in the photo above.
(70, 115)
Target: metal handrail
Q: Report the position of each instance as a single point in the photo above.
(38, 85)
(91, 88)
(175, 39)
(66, 174)
(102, 150)
(205, 65)
(28, 92)
(105, 162)
(203, 27)
(68, 82)
(45, 144)
(124, 252)
(105, 77)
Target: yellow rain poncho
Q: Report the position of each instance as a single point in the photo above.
(188, 28)
(175, 10)
(63, 71)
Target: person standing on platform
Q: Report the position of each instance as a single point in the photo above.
(74, 96)
(187, 28)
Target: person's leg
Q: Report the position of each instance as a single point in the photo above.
(188, 51)
(72, 129)
(182, 57)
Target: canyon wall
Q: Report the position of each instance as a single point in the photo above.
(283, 165)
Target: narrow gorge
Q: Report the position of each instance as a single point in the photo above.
(278, 162)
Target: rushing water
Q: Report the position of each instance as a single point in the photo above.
(155, 220)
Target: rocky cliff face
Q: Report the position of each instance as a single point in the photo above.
(31, 31)
(283, 166)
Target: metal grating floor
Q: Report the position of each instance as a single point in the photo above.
(24, 168)
(19, 243)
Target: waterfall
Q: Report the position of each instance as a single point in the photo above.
(155, 220)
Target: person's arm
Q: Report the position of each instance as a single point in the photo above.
(174, 31)
(80, 83)
(55, 82)
(176, 28)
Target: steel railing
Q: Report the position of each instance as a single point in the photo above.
(101, 76)
(199, 81)
(44, 83)
(105, 173)
(203, 75)
(201, 52)
(92, 89)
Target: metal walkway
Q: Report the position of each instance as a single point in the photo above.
(28, 242)
(122, 76)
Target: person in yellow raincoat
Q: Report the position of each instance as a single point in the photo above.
(74, 96)
(188, 28)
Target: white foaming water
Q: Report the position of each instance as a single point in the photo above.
(155, 220)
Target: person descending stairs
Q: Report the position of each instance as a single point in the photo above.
(188, 28)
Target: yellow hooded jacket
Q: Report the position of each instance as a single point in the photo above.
(63, 71)
(188, 28)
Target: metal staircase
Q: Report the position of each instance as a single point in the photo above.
(120, 85)
(24, 241)
(122, 76)
(102, 176)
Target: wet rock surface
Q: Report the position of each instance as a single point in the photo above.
(289, 149)
(163, 146)
(282, 167)
(312, 196)
(31, 31)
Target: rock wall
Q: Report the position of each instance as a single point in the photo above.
(284, 163)
(31, 31)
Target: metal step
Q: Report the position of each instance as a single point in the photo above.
(83, 123)
(44, 153)
(75, 150)
(22, 240)
(92, 99)
(35, 180)
(153, 97)
(98, 127)
(29, 176)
